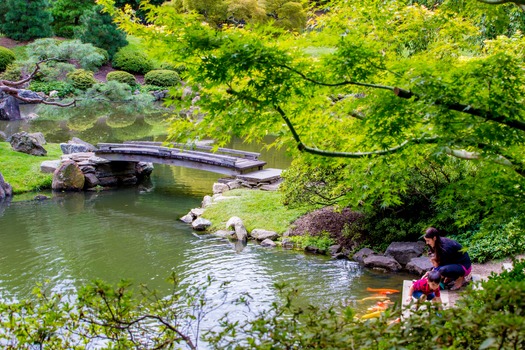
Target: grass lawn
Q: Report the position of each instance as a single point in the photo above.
(22, 171)
(257, 209)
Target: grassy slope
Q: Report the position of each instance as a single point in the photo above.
(22, 170)
(257, 209)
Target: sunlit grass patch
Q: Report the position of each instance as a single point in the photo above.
(22, 170)
(257, 209)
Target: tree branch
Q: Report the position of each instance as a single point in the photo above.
(407, 94)
(12, 88)
(303, 148)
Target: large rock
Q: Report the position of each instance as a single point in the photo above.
(29, 94)
(200, 224)
(362, 254)
(268, 243)
(39, 137)
(68, 177)
(403, 252)
(69, 148)
(206, 201)
(381, 261)
(419, 265)
(238, 226)
(9, 108)
(220, 188)
(49, 166)
(25, 143)
(5, 189)
(261, 235)
(143, 169)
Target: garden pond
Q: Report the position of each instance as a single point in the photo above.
(135, 233)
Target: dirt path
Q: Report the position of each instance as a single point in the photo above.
(483, 271)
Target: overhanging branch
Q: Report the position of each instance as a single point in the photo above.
(303, 148)
(407, 94)
(12, 88)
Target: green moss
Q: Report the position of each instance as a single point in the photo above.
(22, 170)
(257, 209)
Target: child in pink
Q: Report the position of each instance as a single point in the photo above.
(426, 288)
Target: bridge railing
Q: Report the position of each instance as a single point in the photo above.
(202, 148)
(168, 152)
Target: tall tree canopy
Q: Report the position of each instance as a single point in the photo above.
(24, 19)
(382, 96)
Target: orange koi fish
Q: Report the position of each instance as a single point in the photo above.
(383, 290)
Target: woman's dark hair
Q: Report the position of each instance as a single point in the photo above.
(434, 276)
(432, 232)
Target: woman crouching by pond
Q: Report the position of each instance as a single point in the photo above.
(453, 263)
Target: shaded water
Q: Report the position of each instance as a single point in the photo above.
(135, 234)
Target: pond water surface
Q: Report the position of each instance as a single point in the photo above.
(135, 234)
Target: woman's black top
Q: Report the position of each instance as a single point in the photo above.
(450, 253)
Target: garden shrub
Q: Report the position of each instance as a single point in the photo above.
(103, 53)
(121, 77)
(81, 79)
(179, 68)
(85, 55)
(13, 72)
(494, 242)
(149, 88)
(162, 77)
(6, 57)
(113, 91)
(132, 61)
(63, 88)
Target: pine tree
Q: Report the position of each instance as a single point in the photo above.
(98, 29)
(25, 19)
(66, 15)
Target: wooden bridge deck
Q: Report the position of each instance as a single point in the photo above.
(223, 161)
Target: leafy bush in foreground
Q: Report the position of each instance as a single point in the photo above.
(491, 317)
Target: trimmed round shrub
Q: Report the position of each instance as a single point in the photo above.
(81, 79)
(121, 77)
(162, 77)
(13, 72)
(6, 57)
(132, 61)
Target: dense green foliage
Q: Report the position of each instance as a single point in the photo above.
(22, 170)
(81, 79)
(415, 119)
(162, 77)
(290, 15)
(133, 61)
(13, 72)
(98, 29)
(487, 318)
(25, 20)
(64, 51)
(62, 88)
(121, 77)
(6, 57)
(66, 15)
